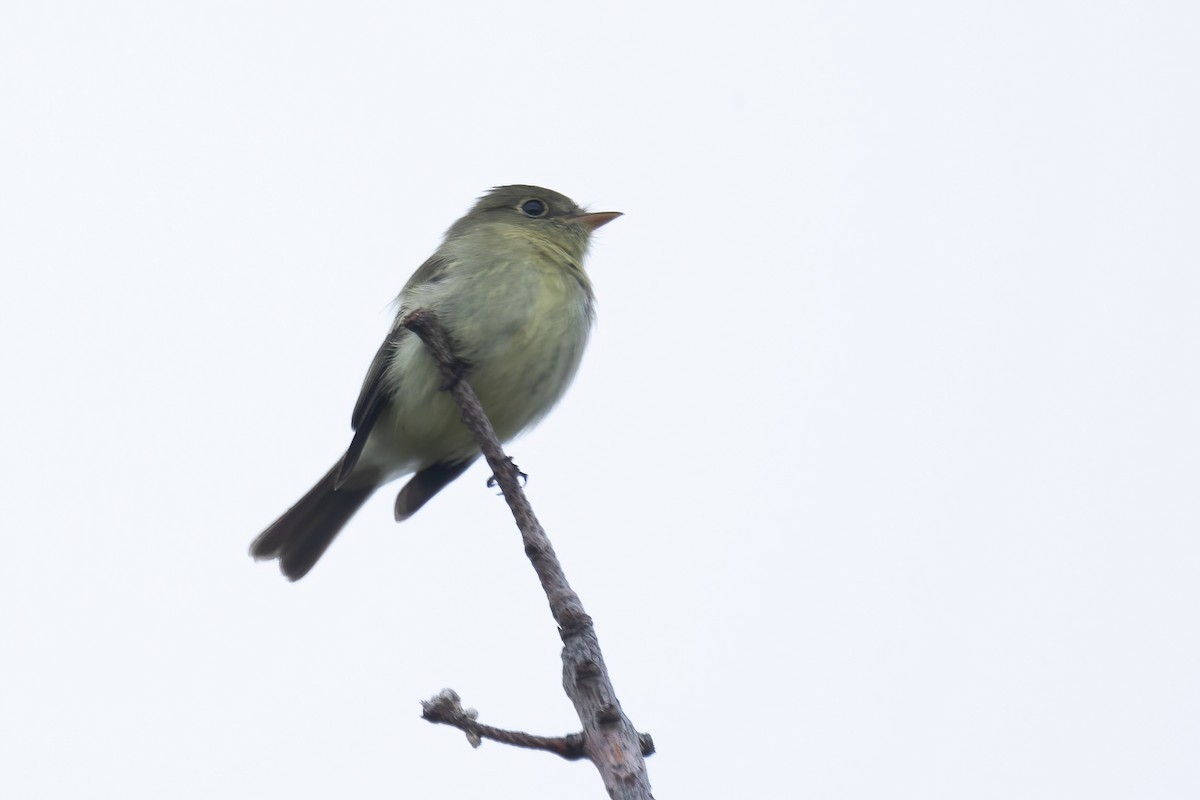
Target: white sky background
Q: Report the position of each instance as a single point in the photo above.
(879, 479)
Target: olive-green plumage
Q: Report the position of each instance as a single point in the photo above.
(508, 286)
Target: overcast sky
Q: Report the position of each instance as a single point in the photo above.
(880, 477)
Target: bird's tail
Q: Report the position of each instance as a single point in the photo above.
(301, 535)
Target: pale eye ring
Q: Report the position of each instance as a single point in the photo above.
(534, 208)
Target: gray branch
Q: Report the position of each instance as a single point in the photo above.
(446, 708)
(609, 739)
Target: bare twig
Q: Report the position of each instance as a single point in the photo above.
(609, 739)
(446, 707)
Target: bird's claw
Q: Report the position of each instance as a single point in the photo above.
(492, 483)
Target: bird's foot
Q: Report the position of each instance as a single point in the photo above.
(492, 483)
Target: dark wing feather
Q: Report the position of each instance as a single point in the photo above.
(426, 483)
(375, 394)
(372, 400)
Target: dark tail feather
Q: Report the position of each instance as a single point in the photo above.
(425, 484)
(302, 534)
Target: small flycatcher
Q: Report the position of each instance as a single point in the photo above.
(508, 286)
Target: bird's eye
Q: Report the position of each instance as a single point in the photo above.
(533, 208)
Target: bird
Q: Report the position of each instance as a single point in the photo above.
(508, 286)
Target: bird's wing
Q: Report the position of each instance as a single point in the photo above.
(426, 483)
(376, 393)
(372, 400)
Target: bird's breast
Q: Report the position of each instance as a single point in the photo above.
(520, 326)
(526, 344)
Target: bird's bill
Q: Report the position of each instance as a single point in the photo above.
(593, 220)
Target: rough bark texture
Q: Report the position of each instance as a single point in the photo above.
(609, 739)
